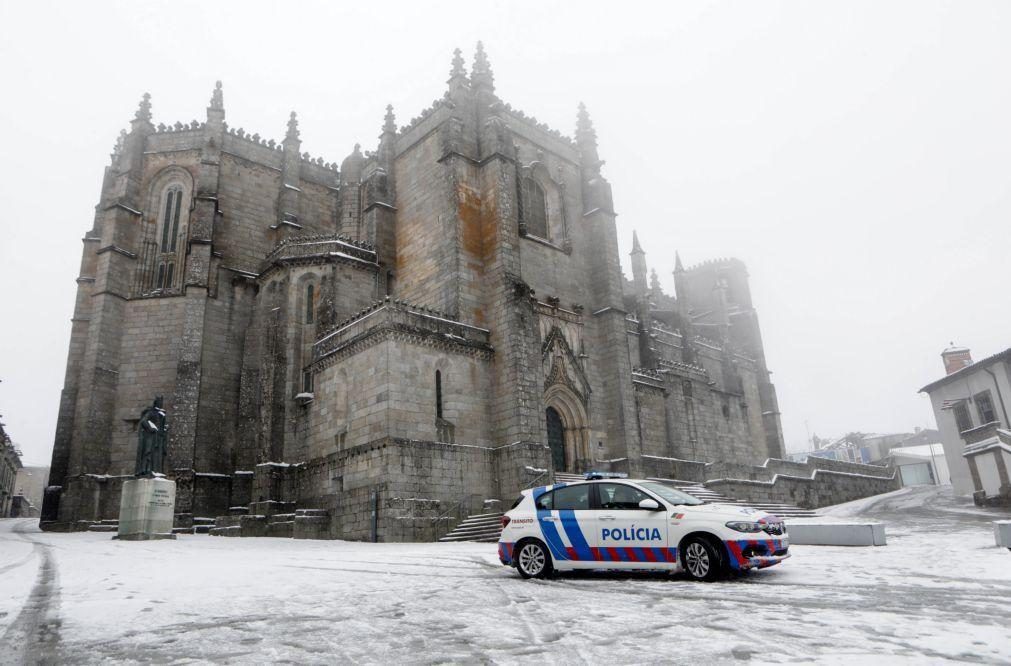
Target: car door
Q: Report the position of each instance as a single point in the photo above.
(566, 521)
(628, 537)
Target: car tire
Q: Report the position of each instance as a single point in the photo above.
(533, 559)
(701, 560)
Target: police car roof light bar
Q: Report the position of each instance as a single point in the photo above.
(594, 476)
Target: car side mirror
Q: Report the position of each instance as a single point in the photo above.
(649, 505)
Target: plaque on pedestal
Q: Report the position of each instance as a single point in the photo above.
(147, 509)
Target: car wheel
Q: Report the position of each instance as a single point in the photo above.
(700, 560)
(533, 560)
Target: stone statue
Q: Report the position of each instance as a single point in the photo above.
(152, 440)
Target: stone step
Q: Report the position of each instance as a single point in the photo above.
(271, 507)
(203, 521)
(231, 531)
(109, 521)
(182, 530)
(481, 538)
(282, 518)
(253, 526)
(480, 530)
(238, 510)
(311, 520)
(103, 527)
(227, 521)
(202, 529)
(281, 529)
(311, 512)
(484, 522)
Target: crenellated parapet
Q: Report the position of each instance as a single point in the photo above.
(406, 322)
(296, 250)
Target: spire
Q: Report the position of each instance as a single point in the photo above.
(458, 70)
(144, 109)
(678, 266)
(217, 99)
(480, 73)
(636, 248)
(457, 75)
(292, 134)
(585, 134)
(390, 121)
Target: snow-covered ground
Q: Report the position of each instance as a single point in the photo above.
(939, 589)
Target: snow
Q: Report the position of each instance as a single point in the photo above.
(937, 592)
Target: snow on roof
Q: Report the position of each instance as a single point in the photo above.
(919, 451)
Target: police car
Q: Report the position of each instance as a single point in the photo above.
(612, 522)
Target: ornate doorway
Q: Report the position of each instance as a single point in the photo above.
(556, 438)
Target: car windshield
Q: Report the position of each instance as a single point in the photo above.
(670, 493)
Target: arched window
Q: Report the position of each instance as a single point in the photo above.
(535, 212)
(170, 220)
(309, 306)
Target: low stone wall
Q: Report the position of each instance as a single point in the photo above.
(822, 488)
(815, 483)
(419, 488)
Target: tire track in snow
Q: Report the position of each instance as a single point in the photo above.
(34, 636)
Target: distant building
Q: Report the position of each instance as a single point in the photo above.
(29, 488)
(921, 465)
(10, 463)
(971, 408)
(869, 448)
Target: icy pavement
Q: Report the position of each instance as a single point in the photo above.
(939, 590)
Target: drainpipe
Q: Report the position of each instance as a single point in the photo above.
(1000, 397)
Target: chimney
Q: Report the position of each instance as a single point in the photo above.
(955, 358)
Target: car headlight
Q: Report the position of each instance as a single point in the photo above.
(741, 526)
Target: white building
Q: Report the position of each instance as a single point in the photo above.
(969, 397)
(921, 465)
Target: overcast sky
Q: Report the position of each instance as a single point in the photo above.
(856, 155)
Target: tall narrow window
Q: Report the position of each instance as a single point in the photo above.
(535, 213)
(161, 276)
(438, 394)
(309, 307)
(170, 222)
(168, 275)
(175, 219)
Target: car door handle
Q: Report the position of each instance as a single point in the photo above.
(606, 518)
(549, 519)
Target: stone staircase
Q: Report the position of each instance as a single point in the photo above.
(482, 527)
(271, 519)
(111, 525)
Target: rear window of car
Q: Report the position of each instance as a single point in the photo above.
(570, 498)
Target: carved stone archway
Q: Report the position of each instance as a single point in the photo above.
(575, 425)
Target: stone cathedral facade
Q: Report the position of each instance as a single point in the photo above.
(394, 340)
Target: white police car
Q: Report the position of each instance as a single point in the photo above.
(611, 522)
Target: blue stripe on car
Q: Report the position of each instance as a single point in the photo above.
(575, 535)
(551, 536)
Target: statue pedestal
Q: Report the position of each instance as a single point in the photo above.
(147, 509)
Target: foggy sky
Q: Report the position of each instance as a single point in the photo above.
(856, 155)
